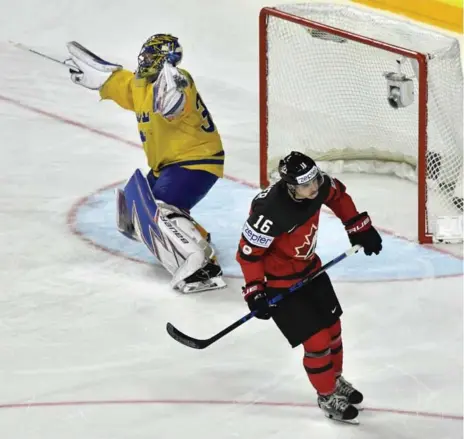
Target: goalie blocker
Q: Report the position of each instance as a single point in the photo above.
(171, 234)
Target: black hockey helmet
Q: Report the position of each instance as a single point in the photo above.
(297, 168)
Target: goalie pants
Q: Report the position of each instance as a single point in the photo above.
(308, 311)
(181, 187)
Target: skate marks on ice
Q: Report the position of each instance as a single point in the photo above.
(223, 212)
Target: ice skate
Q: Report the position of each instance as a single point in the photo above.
(346, 389)
(207, 278)
(338, 408)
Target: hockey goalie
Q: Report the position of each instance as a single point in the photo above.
(183, 150)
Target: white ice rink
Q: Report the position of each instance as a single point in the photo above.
(83, 348)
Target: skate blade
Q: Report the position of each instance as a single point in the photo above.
(129, 235)
(215, 283)
(359, 407)
(354, 421)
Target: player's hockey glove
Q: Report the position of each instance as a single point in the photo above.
(361, 231)
(255, 295)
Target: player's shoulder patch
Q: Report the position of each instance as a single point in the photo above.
(247, 250)
(256, 237)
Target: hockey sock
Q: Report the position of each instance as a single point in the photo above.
(336, 347)
(318, 364)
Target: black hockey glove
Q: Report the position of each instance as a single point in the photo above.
(361, 231)
(255, 295)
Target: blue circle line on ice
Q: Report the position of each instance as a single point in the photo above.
(223, 213)
(422, 262)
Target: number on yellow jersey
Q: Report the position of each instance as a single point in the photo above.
(209, 127)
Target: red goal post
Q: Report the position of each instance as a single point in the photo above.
(299, 103)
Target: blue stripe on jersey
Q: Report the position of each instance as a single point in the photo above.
(196, 162)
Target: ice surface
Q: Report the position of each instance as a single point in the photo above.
(83, 349)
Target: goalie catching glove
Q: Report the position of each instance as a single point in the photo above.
(361, 232)
(88, 69)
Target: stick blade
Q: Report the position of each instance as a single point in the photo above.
(185, 339)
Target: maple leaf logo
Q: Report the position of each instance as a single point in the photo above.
(306, 250)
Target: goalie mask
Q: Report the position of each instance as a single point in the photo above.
(155, 52)
(301, 174)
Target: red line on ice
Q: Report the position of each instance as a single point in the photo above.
(217, 402)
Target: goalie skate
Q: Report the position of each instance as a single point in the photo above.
(207, 278)
(338, 408)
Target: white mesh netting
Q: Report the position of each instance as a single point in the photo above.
(327, 97)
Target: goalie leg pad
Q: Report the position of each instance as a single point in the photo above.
(209, 276)
(123, 220)
(172, 237)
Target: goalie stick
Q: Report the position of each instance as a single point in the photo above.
(202, 344)
(66, 63)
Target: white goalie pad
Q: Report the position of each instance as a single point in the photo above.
(170, 234)
(183, 251)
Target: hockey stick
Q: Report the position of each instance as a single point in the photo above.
(43, 55)
(201, 344)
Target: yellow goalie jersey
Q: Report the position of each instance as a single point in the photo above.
(191, 139)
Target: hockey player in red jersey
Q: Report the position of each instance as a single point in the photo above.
(277, 249)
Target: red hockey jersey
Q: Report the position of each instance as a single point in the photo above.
(279, 238)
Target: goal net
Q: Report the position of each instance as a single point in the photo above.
(359, 91)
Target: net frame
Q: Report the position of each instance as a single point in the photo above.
(424, 237)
